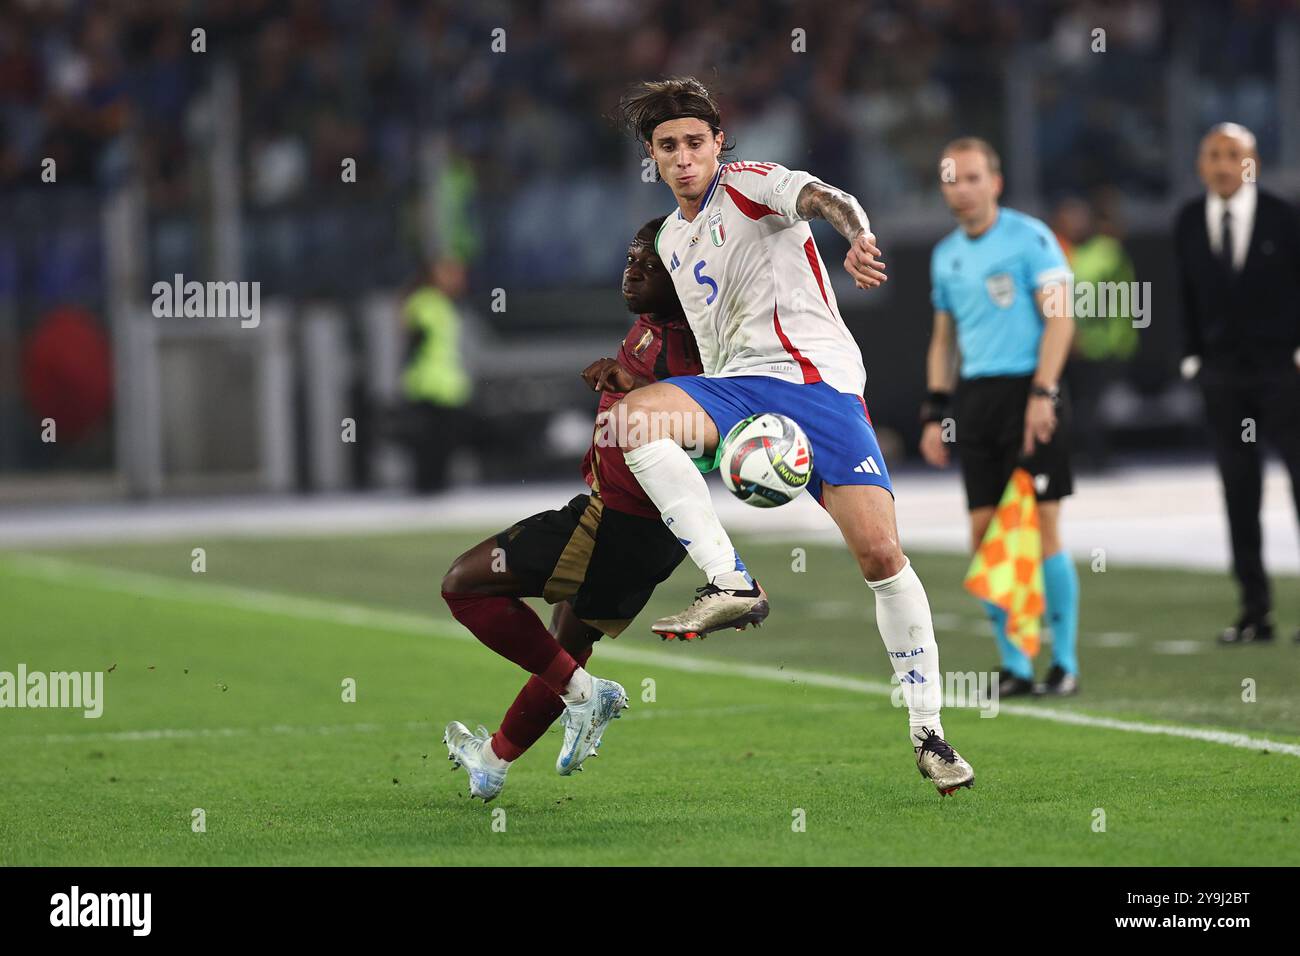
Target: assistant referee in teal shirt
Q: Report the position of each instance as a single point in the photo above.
(1001, 290)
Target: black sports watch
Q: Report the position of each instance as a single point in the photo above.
(936, 407)
(1054, 393)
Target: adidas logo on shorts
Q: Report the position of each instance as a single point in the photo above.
(868, 466)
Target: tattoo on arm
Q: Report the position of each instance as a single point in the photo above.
(840, 209)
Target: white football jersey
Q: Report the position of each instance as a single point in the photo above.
(753, 285)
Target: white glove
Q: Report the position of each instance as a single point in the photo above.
(1297, 358)
(1191, 364)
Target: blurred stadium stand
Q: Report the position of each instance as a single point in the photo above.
(225, 165)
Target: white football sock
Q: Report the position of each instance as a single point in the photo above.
(578, 690)
(493, 759)
(671, 480)
(903, 616)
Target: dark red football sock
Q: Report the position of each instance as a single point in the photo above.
(535, 709)
(513, 630)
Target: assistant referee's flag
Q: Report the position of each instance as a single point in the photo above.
(1008, 566)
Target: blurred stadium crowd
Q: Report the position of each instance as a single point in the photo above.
(886, 84)
(498, 146)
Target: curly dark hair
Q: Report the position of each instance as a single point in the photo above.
(646, 105)
(648, 232)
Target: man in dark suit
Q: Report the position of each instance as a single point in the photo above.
(1238, 251)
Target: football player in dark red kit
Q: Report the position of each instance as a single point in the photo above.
(597, 560)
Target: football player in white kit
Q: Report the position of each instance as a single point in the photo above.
(770, 336)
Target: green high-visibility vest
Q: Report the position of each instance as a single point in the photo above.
(436, 373)
(1102, 259)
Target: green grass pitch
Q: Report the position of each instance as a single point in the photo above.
(225, 695)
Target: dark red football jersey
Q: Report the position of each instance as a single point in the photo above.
(651, 350)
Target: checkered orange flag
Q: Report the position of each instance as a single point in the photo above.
(1008, 567)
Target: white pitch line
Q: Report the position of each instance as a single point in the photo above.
(1113, 639)
(1225, 737)
(247, 599)
(640, 712)
(147, 585)
(1178, 647)
(196, 733)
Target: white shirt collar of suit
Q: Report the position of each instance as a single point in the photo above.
(1242, 206)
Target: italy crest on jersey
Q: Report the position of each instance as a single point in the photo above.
(716, 232)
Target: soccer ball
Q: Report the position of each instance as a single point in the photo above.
(766, 460)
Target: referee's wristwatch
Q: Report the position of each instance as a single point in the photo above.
(1053, 394)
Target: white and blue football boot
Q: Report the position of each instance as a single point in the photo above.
(466, 750)
(584, 724)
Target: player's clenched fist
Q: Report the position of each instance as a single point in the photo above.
(606, 375)
(863, 262)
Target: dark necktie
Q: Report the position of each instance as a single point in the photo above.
(1225, 242)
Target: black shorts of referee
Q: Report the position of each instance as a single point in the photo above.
(990, 429)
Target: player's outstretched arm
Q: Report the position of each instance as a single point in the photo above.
(844, 212)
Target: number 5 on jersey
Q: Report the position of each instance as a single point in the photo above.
(702, 279)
